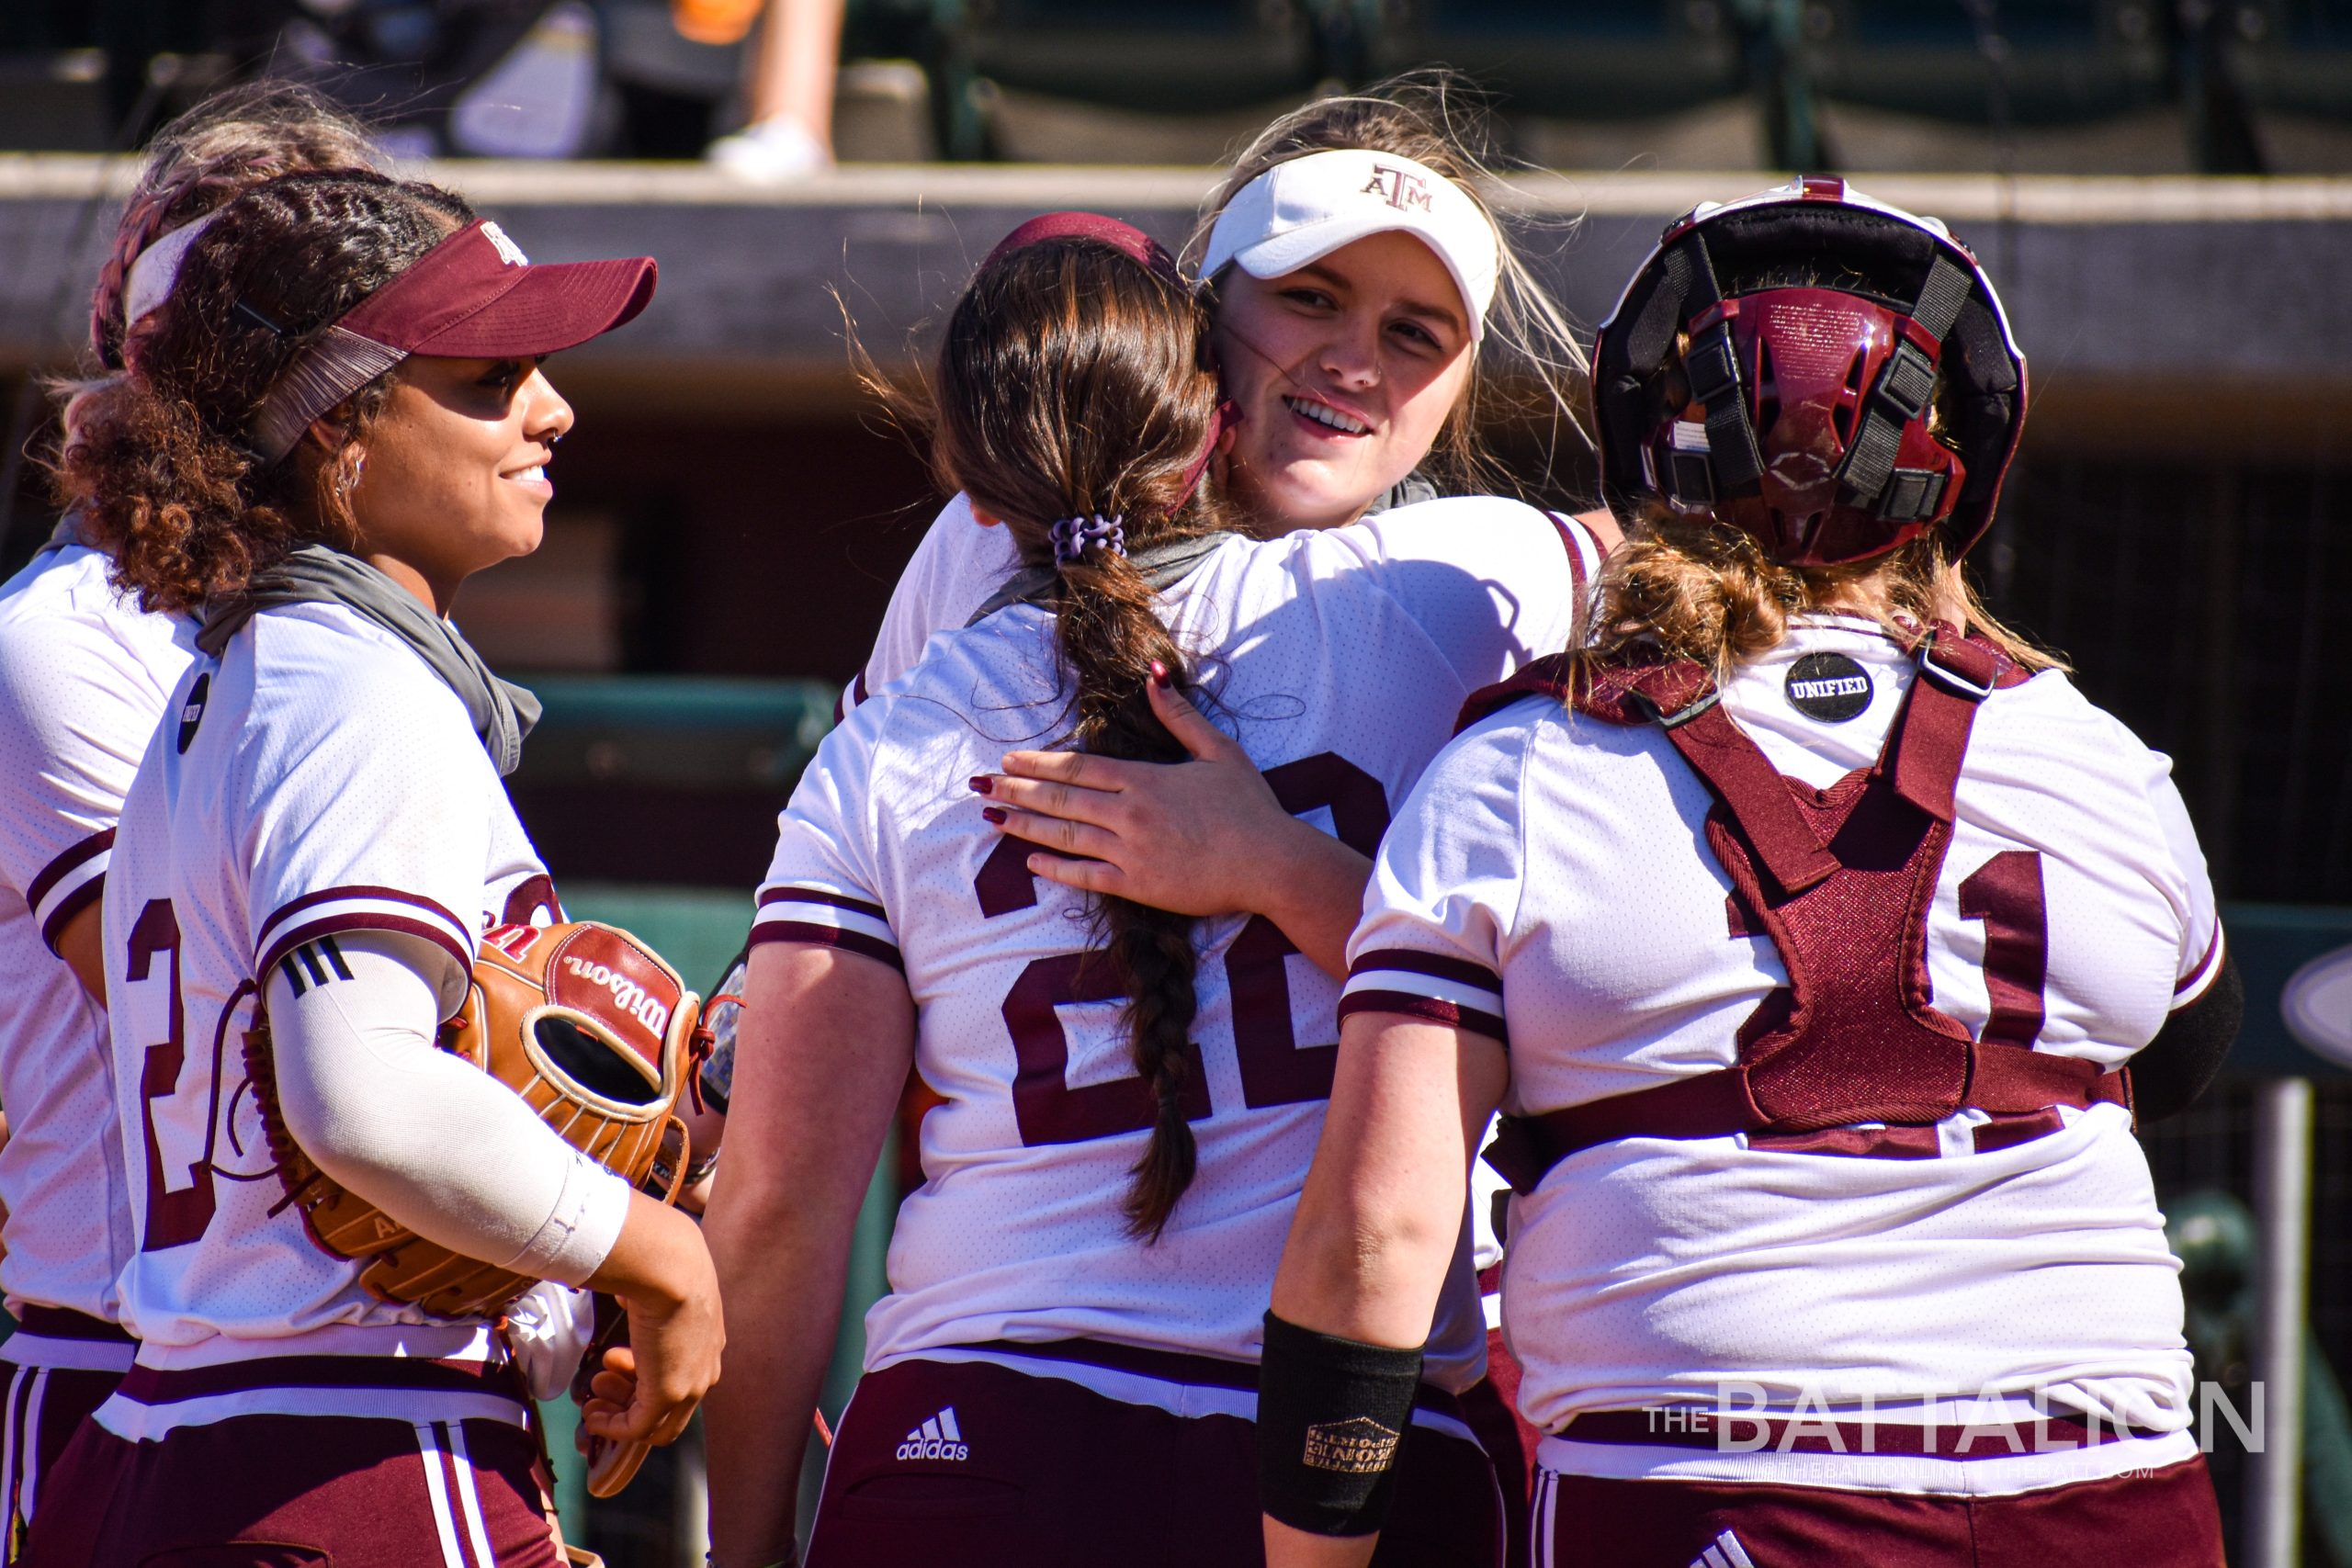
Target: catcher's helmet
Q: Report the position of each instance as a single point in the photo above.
(1799, 413)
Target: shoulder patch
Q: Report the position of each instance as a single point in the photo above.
(192, 710)
(1829, 687)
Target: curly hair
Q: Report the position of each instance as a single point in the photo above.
(1698, 591)
(159, 469)
(206, 158)
(1074, 382)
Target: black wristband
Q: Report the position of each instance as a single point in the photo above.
(1331, 1416)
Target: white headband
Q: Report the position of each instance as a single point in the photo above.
(158, 267)
(1301, 211)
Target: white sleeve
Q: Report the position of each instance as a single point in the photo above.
(2201, 940)
(1496, 584)
(1445, 888)
(371, 813)
(958, 565)
(76, 710)
(436, 1142)
(824, 886)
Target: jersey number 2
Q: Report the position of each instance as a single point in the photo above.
(1275, 1069)
(173, 1219)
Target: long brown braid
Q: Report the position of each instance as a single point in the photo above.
(1074, 383)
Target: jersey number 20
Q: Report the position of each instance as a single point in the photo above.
(1275, 1069)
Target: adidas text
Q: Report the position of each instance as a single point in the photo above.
(938, 1438)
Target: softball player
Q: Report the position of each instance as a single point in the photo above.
(1064, 1369)
(84, 677)
(1820, 941)
(338, 417)
(1305, 253)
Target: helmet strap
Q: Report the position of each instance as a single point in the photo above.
(1712, 362)
(1869, 476)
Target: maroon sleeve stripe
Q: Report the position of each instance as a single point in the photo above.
(1411, 960)
(338, 895)
(54, 929)
(362, 920)
(1429, 1010)
(56, 871)
(2204, 965)
(813, 895)
(806, 934)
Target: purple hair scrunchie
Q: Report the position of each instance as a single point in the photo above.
(1071, 536)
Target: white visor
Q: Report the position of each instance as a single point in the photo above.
(1302, 211)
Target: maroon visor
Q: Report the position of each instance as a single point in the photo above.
(473, 296)
(1147, 250)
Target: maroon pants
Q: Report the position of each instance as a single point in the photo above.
(2163, 1519)
(978, 1465)
(46, 1407)
(297, 1492)
(57, 1367)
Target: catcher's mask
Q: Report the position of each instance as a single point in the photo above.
(1800, 414)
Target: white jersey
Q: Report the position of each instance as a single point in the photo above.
(84, 677)
(316, 779)
(1549, 885)
(956, 568)
(1337, 659)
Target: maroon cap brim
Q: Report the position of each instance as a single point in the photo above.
(550, 307)
(474, 297)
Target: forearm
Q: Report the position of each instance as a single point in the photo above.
(773, 1269)
(438, 1144)
(1375, 1233)
(1289, 1548)
(827, 1039)
(1381, 1217)
(1314, 891)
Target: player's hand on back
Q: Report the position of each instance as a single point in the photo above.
(1194, 838)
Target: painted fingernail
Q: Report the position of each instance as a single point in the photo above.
(981, 783)
(1160, 674)
(994, 813)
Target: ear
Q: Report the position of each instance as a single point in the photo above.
(322, 435)
(983, 516)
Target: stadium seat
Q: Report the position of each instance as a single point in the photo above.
(2263, 64)
(2048, 62)
(1593, 60)
(1177, 57)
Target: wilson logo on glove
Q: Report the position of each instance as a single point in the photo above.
(594, 1031)
(599, 960)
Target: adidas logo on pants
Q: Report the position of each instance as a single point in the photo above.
(936, 1438)
(1725, 1553)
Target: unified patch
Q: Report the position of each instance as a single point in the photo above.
(1829, 687)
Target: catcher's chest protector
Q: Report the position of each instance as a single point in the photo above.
(1841, 881)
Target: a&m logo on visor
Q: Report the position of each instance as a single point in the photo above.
(508, 251)
(1398, 187)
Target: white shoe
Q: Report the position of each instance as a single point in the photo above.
(769, 150)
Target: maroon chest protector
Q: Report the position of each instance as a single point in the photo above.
(1840, 880)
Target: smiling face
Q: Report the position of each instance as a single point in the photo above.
(1345, 371)
(455, 478)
